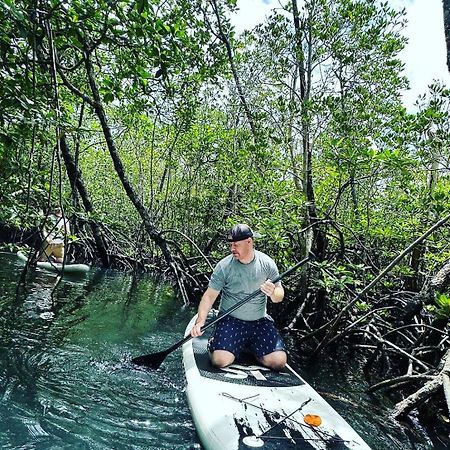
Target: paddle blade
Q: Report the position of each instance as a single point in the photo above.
(151, 361)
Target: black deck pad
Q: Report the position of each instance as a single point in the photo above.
(273, 378)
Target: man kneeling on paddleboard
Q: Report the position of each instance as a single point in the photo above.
(249, 327)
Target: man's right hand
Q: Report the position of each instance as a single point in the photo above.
(196, 329)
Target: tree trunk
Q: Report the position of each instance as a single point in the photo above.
(224, 38)
(446, 8)
(132, 195)
(72, 171)
(315, 235)
(77, 184)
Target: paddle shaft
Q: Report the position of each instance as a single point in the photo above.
(220, 316)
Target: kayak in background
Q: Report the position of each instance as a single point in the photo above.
(57, 267)
(247, 406)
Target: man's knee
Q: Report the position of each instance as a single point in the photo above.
(221, 358)
(275, 361)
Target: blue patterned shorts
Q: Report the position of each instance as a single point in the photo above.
(259, 337)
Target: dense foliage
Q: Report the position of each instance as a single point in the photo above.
(156, 127)
(324, 97)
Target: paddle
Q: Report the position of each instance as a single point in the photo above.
(154, 360)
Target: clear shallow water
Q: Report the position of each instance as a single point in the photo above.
(66, 380)
(65, 375)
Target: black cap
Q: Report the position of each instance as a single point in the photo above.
(240, 232)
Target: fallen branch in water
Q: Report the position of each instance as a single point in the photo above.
(399, 381)
(425, 392)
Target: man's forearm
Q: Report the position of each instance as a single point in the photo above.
(205, 306)
(203, 310)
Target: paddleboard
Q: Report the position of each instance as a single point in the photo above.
(57, 267)
(248, 406)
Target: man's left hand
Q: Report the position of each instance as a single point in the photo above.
(268, 288)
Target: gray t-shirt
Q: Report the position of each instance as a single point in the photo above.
(237, 281)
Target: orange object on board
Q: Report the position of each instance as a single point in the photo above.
(313, 420)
